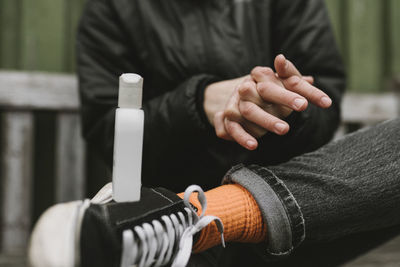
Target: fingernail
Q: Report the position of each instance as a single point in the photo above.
(280, 127)
(250, 144)
(299, 103)
(326, 101)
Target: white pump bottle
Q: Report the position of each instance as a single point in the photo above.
(128, 139)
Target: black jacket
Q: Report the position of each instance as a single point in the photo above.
(180, 47)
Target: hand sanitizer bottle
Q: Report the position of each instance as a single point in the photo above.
(128, 139)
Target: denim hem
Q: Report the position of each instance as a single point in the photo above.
(281, 213)
(287, 198)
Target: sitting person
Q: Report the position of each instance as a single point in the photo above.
(202, 91)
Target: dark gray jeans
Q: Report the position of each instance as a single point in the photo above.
(347, 195)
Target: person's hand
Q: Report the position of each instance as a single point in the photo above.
(216, 96)
(261, 101)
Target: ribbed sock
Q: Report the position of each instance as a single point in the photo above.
(239, 213)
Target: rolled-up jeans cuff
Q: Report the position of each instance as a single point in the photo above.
(280, 211)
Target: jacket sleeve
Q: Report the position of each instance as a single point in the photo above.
(301, 31)
(104, 52)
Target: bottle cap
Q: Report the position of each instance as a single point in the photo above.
(130, 91)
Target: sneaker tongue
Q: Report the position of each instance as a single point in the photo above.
(167, 193)
(152, 201)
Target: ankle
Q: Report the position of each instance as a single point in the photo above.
(239, 213)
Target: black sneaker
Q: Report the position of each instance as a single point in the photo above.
(156, 231)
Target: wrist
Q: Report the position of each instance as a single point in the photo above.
(208, 105)
(200, 99)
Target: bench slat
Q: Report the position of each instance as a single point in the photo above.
(17, 180)
(369, 108)
(70, 158)
(31, 91)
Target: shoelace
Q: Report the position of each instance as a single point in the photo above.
(156, 242)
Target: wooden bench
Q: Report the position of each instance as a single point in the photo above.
(22, 94)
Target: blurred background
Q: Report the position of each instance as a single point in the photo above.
(39, 36)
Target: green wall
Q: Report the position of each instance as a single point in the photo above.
(39, 35)
(369, 38)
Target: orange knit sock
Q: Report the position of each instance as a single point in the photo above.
(239, 213)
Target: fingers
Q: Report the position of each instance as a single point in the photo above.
(294, 81)
(310, 92)
(270, 92)
(236, 131)
(284, 68)
(227, 126)
(262, 99)
(257, 115)
(219, 126)
(264, 74)
(230, 123)
(253, 129)
(248, 92)
(309, 79)
(231, 110)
